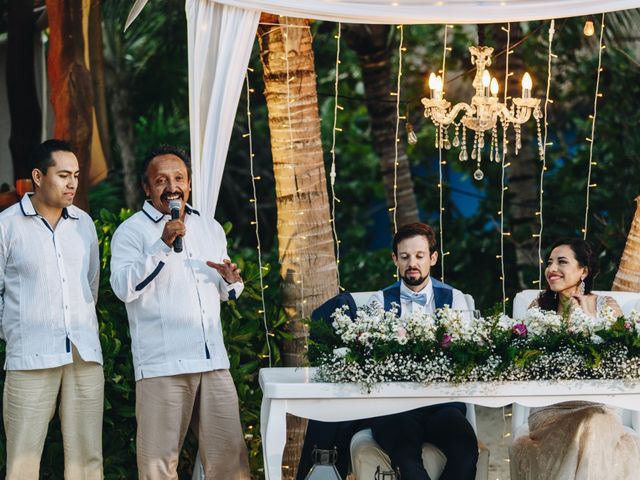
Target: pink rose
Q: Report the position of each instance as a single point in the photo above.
(401, 332)
(446, 340)
(520, 329)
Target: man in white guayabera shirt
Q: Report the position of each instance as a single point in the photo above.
(173, 299)
(49, 269)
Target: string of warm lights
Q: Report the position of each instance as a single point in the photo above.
(507, 74)
(290, 100)
(590, 139)
(397, 136)
(254, 200)
(332, 174)
(543, 149)
(441, 162)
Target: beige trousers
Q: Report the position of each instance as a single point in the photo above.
(208, 403)
(29, 403)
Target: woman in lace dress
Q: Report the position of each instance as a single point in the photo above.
(574, 440)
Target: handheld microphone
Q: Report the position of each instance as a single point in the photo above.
(174, 207)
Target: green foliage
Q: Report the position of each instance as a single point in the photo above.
(245, 339)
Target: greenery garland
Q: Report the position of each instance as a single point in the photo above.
(450, 346)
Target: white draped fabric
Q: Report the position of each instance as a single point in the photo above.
(220, 39)
(221, 34)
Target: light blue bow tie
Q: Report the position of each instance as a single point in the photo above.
(419, 298)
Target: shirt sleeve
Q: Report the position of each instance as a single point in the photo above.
(93, 275)
(228, 291)
(132, 269)
(3, 264)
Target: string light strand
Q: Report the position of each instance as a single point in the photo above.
(290, 162)
(333, 174)
(441, 162)
(593, 130)
(397, 135)
(507, 30)
(254, 200)
(543, 150)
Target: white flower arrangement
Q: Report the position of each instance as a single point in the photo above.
(449, 346)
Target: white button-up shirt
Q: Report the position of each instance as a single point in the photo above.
(408, 307)
(172, 299)
(48, 287)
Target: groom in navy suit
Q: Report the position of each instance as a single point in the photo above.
(401, 435)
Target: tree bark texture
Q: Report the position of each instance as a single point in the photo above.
(71, 86)
(373, 46)
(306, 248)
(628, 276)
(24, 108)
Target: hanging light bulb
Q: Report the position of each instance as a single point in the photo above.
(412, 138)
(589, 29)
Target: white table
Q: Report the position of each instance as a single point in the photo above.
(292, 390)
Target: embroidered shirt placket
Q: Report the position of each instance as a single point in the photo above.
(63, 279)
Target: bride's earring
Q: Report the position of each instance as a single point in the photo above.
(581, 287)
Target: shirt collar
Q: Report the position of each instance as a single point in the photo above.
(28, 210)
(426, 290)
(156, 215)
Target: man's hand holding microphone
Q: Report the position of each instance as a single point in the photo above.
(175, 228)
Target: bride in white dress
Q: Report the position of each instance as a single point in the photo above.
(575, 440)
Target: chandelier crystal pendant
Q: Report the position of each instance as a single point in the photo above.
(483, 115)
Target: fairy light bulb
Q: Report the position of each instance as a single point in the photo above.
(527, 84)
(589, 29)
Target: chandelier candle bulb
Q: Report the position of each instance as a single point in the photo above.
(527, 84)
(486, 81)
(494, 87)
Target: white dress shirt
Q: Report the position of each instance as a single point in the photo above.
(408, 307)
(172, 299)
(48, 287)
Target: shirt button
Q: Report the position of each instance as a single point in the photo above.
(63, 280)
(66, 307)
(203, 312)
(191, 254)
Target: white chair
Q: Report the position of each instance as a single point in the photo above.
(366, 454)
(520, 419)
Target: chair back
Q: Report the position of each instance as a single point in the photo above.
(627, 301)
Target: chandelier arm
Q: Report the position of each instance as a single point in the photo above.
(440, 116)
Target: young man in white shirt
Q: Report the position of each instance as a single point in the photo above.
(173, 304)
(49, 272)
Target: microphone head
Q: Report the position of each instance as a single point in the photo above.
(175, 205)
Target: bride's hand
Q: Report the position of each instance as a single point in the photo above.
(586, 303)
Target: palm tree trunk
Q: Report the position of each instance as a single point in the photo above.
(306, 249)
(373, 47)
(71, 86)
(628, 275)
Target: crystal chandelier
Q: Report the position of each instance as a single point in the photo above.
(483, 115)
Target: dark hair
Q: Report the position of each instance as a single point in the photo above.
(414, 230)
(41, 157)
(164, 150)
(548, 300)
